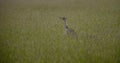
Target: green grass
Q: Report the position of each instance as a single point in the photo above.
(33, 33)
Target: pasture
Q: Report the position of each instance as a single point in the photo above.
(31, 31)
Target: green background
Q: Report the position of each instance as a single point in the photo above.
(31, 31)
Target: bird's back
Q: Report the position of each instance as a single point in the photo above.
(71, 32)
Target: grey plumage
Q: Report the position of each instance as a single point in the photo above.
(69, 31)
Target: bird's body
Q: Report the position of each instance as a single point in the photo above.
(69, 31)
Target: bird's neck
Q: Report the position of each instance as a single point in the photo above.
(65, 23)
(66, 27)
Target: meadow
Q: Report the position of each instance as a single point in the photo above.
(31, 31)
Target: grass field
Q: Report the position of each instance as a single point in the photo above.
(31, 31)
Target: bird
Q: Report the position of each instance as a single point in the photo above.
(69, 31)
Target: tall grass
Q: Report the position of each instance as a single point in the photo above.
(33, 33)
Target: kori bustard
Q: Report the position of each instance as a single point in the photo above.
(69, 31)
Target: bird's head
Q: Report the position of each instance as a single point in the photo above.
(63, 18)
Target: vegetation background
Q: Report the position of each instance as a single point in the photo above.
(31, 31)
